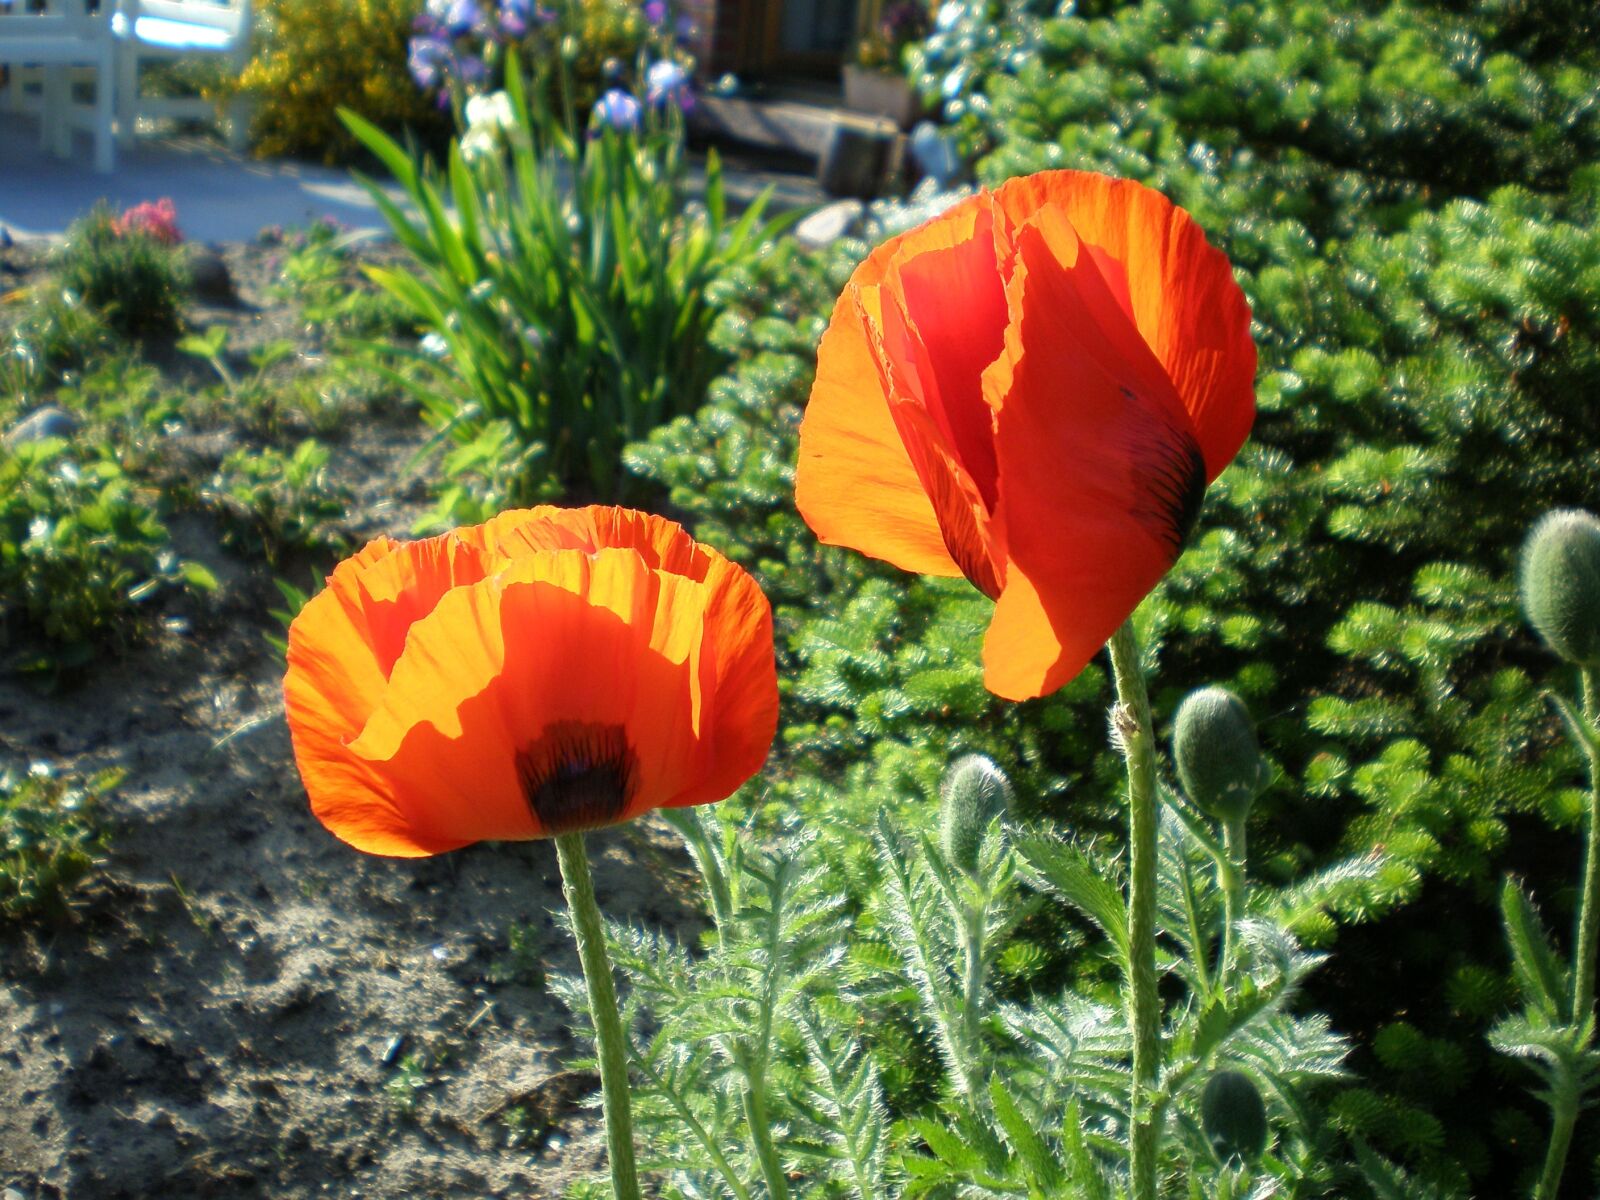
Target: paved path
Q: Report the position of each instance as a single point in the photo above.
(221, 196)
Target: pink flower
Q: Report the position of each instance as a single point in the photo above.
(158, 220)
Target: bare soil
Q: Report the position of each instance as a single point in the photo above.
(240, 1004)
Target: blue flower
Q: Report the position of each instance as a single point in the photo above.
(517, 17)
(459, 17)
(429, 61)
(618, 110)
(667, 80)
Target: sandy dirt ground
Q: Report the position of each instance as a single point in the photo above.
(241, 1005)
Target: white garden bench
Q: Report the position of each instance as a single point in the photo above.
(57, 37)
(49, 43)
(158, 29)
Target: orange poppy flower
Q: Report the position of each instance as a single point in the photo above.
(1032, 390)
(550, 671)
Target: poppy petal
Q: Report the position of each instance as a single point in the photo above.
(948, 283)
(855, 483)
(470, 712)
(338, 662)
(736, 675)
(906, 369)
(396, 591)
(736, 685)
(664, 545)
(1178, 289)
(1101, 475)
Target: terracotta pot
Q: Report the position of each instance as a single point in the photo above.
(880, 93)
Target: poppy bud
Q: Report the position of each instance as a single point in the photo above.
(974, 792)
(1561, 584)
(1234, 1116)
(1219, 760)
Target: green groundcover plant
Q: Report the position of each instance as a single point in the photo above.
(81, 548)
(51, 838)
(129, 270)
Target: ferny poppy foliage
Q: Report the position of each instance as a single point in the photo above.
(1033, 390)
(550, 671)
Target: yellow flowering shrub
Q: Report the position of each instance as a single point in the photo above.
(316, 55)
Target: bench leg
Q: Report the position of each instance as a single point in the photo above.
(105, 153)
(127, 91)
(240, 111)
(55, 121)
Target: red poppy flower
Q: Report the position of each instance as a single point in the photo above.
(1032, 390)
(550, 671)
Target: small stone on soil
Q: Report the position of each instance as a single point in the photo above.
(42, 424)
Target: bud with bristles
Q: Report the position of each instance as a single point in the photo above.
(1234, 1116)
(974, 792)
(1218, 757)
(1561, 584)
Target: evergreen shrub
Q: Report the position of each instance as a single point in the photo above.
(1408, 192)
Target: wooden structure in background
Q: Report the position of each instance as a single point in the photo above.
(766, 39)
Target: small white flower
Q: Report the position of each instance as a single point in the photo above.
(434, 346)
(478, 143)
(492, 112)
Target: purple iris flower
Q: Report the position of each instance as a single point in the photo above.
(667, 80)
(517, 17)
(655, 11)
(459, 17)
(618, 110)
(429, 60)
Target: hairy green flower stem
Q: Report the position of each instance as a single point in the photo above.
(755, 1071)
(1230, 877)
(611, 1047)
(1564, 1114)
(1587, 955)
(1586, 952)
(972, 989)
(1135, 728)
(698, 839)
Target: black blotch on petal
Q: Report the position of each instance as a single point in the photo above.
(1172, 470)
(578, 776)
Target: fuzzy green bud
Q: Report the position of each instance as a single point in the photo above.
(974, 792)
(1218, 757)
(1234, 1116)
(1561, 584)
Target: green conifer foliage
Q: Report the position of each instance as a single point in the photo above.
(1408, 192)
